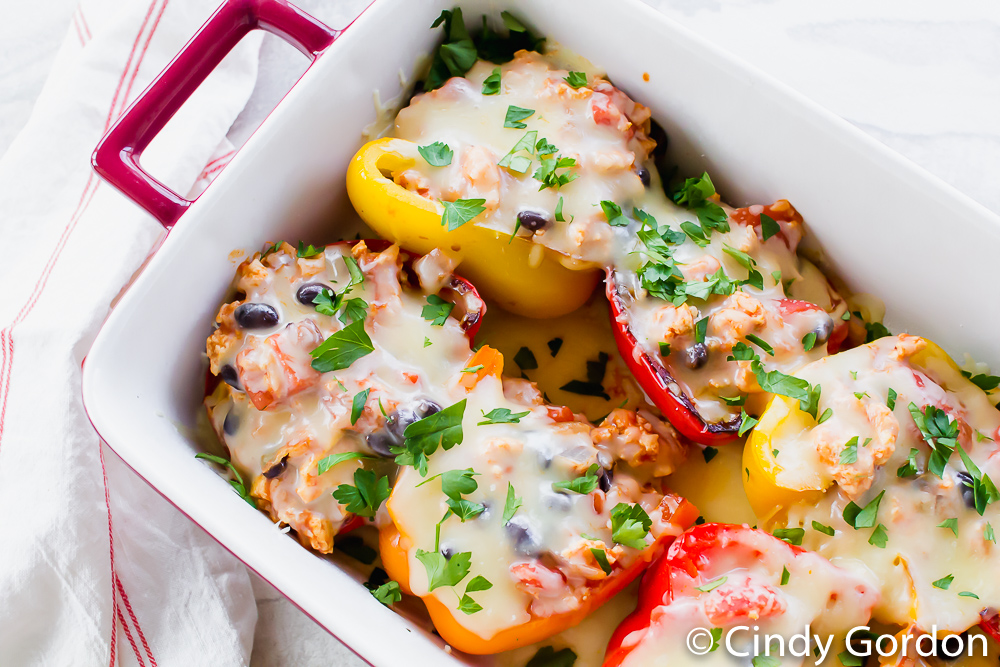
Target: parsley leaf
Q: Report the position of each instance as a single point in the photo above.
(456, 55)
(437, 310)
(388, 593)
(791, 535)
(512, 504)
(559, 211)
(443, 571)
(890, 401)
(984, 491)
(761, 343)
(467, 605)
(327, 302)
(863, 518)
(938, 431)
(549, 177)
(358, 405)
(502, 416)
(520, 163)
(515, 115)
(768, 226)
(613, 213)
(826, 530)
(809, 341)
(785, 575)
(951, 524)
(694, 194)
(944, 582)
(746, 423)
(629, 525)
(328, 462)
(237, 484)
(709, 453)
(602, 559)
(491, 85)
(984, 382)
(555, 345)
(879, 537)
(367, 494)
(826, 415)
(308, 251)
(576, 79)
(438, 154)
(342, 348)
(582, 485)
(423, 437)
(460, 211)
(849, 454)
(968, 594)
(909, 468)
(700, 329)
(712, 585)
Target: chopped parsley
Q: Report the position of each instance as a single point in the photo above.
(388, 593)
(909, 468)
(549, 176)
(709, 453)
(491, 85)
(515, 115)
(890, 400)
(358, 405)
(237, 484)
(761, 343)
(602, 559)
(785, 575)
(944, 582)
(951, 524)
(520, 163)
(512, 504)
(712, 585)
(437, 154)
(330, 461)
(613, 213)
(555, 345)
(582, 485)
(342, 348)
(768, 228)
(859, 518)
(308, 250)
(594, 384)
(367, 494)
(576, 79)
(629, 525)
(456, 55)
(809, 341)
(826, 415)
(983, 381)
(437, 310)
(458, 212)
(502, 416)
(443, 571)
(849, 454)
(791, 535)
(694, 194)
(549, 657)
(746, 423)
(984, 491)
(879, 537)
(826, 530)
(472, 369)
(939, 431)
(423, 437)
(700, 329)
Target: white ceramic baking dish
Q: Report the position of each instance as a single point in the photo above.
(886, 226)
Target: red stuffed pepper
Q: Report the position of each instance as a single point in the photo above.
(722, 583)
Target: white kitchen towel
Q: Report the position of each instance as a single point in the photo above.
(95, 567)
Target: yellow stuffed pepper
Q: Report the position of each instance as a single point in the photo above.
(896, 470)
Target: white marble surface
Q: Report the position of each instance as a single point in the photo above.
(922, 76)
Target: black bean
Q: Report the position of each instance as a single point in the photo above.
(256, 316)
(276, 469)
(307, 293)
(380, 442)
(230, 377)
(533, 220)
(643, 175)
(696, 356)
(426, 408)
(397, 422)
(968, 494)
(604, 480)
(523, 535)
(231, 423)
(823, 330)
(447, 552)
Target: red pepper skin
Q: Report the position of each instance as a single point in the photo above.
(654, 378)
(991, 626)
(685, 558)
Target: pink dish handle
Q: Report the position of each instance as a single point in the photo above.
(116, 158)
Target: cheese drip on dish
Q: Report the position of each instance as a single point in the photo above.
(280, 418)
(928, 528)
(725, 576)
(614, 213)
